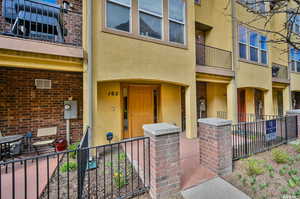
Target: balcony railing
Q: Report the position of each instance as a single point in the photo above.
(210, 56)
(36, 20)
(279, 72)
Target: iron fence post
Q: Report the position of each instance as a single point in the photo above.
(246, 144)
(286, 136)
(78, 175)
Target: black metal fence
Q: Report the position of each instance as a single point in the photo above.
(249, 138)
(82, 161)
(248, 117)
(119, 170)
(37, 20)
(215, 57)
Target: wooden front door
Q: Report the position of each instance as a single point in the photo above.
(242, 105)
(141, 109)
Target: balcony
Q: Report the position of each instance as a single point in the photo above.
(280, 73)
(42, 21)
(214, 61)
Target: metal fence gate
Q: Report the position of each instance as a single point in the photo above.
(249, 138)
(119, 170)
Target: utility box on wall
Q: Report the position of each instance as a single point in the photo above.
(70, 110)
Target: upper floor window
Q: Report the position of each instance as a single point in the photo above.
(255, 5)
(296, 24)
(149, 18)
(294, 60)
(252, 46)
(118, 14)
(50, 1)
(177, 21)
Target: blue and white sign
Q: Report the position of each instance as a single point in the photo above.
(270, 130)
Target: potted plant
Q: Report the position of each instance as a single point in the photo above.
(61, 144)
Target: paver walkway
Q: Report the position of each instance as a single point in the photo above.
(216, 188)
(192, 173)
(19, 180)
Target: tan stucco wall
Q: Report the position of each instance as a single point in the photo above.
(123, 58)
(216, 13)
(216, 98)
(253, 75)
(171, 104)
(107, 113)
(295, 81)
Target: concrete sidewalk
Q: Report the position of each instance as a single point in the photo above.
(216, 188)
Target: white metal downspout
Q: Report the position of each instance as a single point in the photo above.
(90, 66)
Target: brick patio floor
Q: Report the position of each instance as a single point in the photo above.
(192, 173)
(7, 179)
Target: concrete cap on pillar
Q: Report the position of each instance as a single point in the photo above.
(215, 121)
(161, 129)
(293, 112)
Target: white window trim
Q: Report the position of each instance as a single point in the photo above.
(248, 46)
(155, 15)
(252, 46)
(179, 22)
(293, 60)
(130, 15)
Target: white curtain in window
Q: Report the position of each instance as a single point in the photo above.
(153, 6)
(177, 10)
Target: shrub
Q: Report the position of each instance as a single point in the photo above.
(254, 167)
(120, 179)
(297, 158)
(263, 186)
(292, 172)
(280, 157)
(73, 148)
(122, 157)
(297, 147)
(284, 190)
(71, 167)
(283, 171)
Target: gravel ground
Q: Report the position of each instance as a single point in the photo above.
(276, 183)
(101, 183)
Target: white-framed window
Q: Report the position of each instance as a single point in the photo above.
(118, 15)
(252, 46)
(197, 1)
(294, 59)
(177, 21)
(256, 5)
(151, 18)
(296, 24)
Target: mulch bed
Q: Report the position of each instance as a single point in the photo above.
(102, 182)
(276, 182)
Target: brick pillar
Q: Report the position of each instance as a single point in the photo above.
(295, 112)
(215, 145)
(164, 159)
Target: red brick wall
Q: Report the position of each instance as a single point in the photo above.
(24, 108)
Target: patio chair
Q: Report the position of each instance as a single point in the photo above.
(45, 133)
(16, 148)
